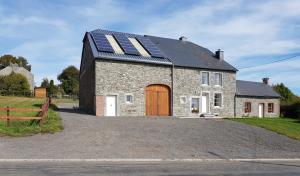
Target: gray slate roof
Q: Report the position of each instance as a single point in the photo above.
(255, 89)
(188, 54)
(177, 52)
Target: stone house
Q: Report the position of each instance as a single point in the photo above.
(15, 68)
(125, 74)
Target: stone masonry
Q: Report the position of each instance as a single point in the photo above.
(187, 82)
(121, 78)
(240, 107)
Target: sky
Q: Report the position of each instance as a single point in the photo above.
(251, 33)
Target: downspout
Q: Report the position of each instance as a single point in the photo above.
(172, 94)
(234, 105)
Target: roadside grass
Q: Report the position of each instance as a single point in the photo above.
(64, 100)
(20, 128)
(285, 126)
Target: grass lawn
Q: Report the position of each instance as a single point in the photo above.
(25, 128)
(286, 126)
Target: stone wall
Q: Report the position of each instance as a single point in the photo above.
(187, 82)
(121, 78)
(87, 81)
(240, 106)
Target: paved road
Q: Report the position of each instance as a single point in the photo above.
(157, 168)
(139, 137)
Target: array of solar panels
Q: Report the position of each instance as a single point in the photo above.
(103, 44)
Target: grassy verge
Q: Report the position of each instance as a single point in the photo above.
(52, 124)
(286, 126)
(64, 100)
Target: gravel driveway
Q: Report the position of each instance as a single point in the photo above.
(89, 137)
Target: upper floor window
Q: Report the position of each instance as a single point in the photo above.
(218, 79)
(218, 100)
(205, 78)
(247, 107)
(270, 107)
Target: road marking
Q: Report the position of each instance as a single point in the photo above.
(150, 160)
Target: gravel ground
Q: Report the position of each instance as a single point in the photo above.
(88, 137)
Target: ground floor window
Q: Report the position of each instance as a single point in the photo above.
(218, 100)
(195, 105)
(247, 107)
(128, 98)
(270, 107)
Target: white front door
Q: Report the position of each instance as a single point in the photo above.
(261, 110)
(110, 103)
(204, 103)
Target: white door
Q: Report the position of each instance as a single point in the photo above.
(110, 103)
(204, 101)
(261, 110)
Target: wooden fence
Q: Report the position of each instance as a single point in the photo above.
(42, 115)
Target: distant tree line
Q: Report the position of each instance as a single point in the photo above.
(69, 83)
(290, 103)
(7, 59)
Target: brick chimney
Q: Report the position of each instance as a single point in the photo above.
(266, 80)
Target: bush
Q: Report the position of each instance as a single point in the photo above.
(14, 83)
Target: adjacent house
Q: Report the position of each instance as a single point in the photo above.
(125, 74)
(15, 68)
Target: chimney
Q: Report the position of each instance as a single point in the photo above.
(183, 38)
(220, 54)
(265, 81)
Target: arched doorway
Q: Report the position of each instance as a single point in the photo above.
(157, 100)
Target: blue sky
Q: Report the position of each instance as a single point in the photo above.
(49, 33)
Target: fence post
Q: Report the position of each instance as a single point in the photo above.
(7, 117)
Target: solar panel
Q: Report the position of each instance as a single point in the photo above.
(150, 47)
(102, 43)
(126, 44)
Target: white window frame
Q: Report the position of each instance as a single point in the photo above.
(127, 102)
(222, 82)
(208, 81)
(218, 107)
(180, 99)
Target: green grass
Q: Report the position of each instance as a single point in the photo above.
(52, 124)
(64, 100)
(286, 126)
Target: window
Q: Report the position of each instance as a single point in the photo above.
(218, 79)
(247, 107)
(183, 100)
(195, 105)
(128, 98)
(218, 100)
(270, 107)
(205, 78)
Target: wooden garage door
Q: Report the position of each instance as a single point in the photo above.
(157, 100)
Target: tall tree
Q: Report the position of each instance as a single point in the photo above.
(69, 79)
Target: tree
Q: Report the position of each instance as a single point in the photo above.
(290, 103)
(69, 79)
(15, 83)
(6, 60)
(45, 83)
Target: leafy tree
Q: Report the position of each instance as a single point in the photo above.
(15, 83)
(6, 60)
(69, 79)
(290, 103)
(45, 83)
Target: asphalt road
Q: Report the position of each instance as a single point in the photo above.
(157, 168)
(90, 137)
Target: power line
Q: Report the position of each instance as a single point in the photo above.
(280, 60)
